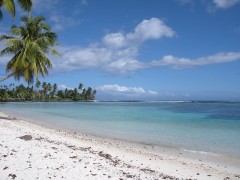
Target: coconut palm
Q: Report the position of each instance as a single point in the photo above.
(38, 84)
(80, 87)
(54, 88)
(9, 5)
(29, 46)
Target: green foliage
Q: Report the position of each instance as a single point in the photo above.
(45, 92)
(26, 5)
(9, 5)
(29, 45)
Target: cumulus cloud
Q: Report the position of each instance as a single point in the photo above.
(114, 40)
(76, 58)
(153, 28)
(149, 29)
(117, 52)
(115, 88)
(225, 3)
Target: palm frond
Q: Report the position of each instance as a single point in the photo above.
(15, 42)
(25, 19)
(45, 26)
(1, 15)
(32, 42)
(38, 19)
(11, 63)
(7, 51)
(26, 5)
(5, 37)
(55, 52)
(9, 6)
(15, 30)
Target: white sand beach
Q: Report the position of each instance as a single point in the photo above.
(30, 151)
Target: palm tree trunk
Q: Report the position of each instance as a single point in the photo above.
(6, 77)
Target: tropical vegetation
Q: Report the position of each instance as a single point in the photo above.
(9, 5)
(29, 46)
(45, 92)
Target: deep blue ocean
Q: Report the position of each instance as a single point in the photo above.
(212, 127)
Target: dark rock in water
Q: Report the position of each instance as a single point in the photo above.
(26, 137)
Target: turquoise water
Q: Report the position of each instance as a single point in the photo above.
(212, 127)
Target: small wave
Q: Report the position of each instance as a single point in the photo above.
(173, 101)
(201, 152)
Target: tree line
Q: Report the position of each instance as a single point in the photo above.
(29, 44)
(42, 92)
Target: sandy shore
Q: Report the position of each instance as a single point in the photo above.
(30, 151)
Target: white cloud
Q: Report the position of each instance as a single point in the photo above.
(149, 29)
(75, 58)
(63, 87)
(124, 66)
(150, 92)
(116, 53)
(180, 63)
(124, 90)
(114, 40)
(225, 3)
(153, 28)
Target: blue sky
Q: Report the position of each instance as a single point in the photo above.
(141, 49)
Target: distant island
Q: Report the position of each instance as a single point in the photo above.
(45, 92)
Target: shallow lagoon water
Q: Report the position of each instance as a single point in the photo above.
(211, 127)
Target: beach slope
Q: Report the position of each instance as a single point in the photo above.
(30, 151)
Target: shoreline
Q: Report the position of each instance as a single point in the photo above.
(90, 157)
(52, 125)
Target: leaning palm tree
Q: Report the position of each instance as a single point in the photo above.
(9, 5)
(29, 46)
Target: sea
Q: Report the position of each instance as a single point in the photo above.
(201, 126)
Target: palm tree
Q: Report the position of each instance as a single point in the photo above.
(93, 95)
(45, 87)
(54, 88)
(33, 41)
(80, 87)
(38, 84)
(9, 5)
